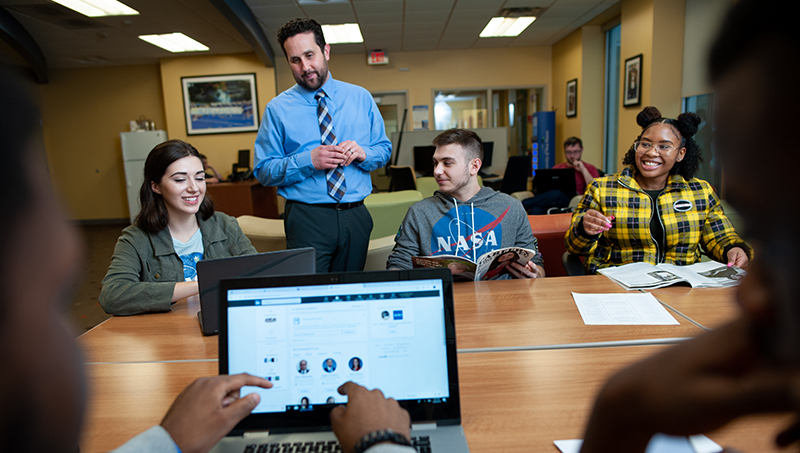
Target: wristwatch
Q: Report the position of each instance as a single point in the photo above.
(381, 435)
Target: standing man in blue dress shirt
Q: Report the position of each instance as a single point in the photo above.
(322, 173)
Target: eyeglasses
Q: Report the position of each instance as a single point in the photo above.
(663, 149)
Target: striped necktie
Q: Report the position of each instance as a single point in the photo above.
(334, 176)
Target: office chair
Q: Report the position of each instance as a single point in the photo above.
(403, 178)
(573, 264)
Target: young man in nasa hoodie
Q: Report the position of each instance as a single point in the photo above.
(462, 218)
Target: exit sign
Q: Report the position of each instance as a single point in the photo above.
(377, 57)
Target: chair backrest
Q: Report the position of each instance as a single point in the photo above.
(266, 235)
(378, 252)
(403, 178)
(388, 209)
(550, 231)
(427, 185)
(516, 176)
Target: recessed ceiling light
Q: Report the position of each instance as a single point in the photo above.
(174, 42)
(98, 8)
(342, 33)
(506, 26)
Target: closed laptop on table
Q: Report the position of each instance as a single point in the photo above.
(391, 330)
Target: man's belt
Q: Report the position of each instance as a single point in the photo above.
(334, 206)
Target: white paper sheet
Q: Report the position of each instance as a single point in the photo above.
(622, 309)
(660, 443)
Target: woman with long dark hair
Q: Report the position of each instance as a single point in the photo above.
(154, 262)
(655, 210)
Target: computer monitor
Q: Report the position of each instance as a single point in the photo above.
(244, 158)
(423, 160)
(488, 148)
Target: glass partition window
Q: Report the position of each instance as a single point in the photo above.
(464, 109)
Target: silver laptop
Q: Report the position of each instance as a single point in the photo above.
(391, 330)
(210, 272)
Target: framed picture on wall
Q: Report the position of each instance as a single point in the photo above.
(220, 104)
(632, 92)
(572, 98)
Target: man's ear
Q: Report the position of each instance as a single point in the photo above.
(327, 52)
(475, 166)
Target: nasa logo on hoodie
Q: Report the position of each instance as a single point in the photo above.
(463, 228)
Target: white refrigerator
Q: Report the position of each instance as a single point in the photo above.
(135, 148)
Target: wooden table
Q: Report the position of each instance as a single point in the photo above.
(517, 401)
(709, 307)
(542, 313)
(245, 198)
(502, 314)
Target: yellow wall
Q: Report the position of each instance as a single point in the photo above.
(221, 149)
(475, 68)
(83, 112)
(567, 56)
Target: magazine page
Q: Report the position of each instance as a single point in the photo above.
(641, 275)
(709, 274)
(493, 265)
(461, 268)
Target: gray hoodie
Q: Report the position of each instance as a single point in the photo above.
(442, 225)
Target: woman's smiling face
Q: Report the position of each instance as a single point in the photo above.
(654, 165)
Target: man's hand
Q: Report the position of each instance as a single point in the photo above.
(208, 409)
(529, 270)
(366, 411)
(692, 388)
(595, 223)
(326, 157)
(352, 152)
(737, 257)
(578, 165)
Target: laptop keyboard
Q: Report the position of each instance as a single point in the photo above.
(421, 443)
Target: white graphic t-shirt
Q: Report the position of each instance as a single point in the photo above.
(191, 252)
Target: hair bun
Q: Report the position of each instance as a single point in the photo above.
(687, 123)
(647, 116)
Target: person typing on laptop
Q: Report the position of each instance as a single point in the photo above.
(462, 218)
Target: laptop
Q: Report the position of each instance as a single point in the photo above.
(391, 330)
(210, 272)
(548, 179)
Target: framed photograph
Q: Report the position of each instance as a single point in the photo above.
(632, 92)
(572, 98)
(220, 104)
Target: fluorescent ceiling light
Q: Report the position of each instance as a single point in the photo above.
(174, 42)
(342, 34)
(98, 8)
(506, 26)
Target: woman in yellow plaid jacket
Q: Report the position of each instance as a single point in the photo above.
(615, 222)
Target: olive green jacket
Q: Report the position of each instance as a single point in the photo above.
(145, 267)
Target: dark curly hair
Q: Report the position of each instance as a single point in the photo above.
(301, 25)
(153, 216)
(684, 127)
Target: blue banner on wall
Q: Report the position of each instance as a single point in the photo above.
(544, 140)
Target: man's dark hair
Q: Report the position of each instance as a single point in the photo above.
(684, 128)
(301, 25)
(466, 139)
(572, 141)
(154, 216)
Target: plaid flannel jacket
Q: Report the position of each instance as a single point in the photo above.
(690, 212)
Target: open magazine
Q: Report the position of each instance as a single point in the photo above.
(490, 266)
(710, 274)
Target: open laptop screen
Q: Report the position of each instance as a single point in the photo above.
(314, 333)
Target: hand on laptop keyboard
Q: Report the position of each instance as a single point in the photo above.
(366, 411)
(208, 409)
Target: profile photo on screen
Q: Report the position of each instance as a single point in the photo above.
(355, 364)
(329, 365)
(302, 367)
(304, 402)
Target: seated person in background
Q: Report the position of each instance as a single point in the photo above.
(655, 211)
(42, 384)
(462, 218)
(750, 365)
(212, 177)
(584, 171)
(584, 174)
(154, 262)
